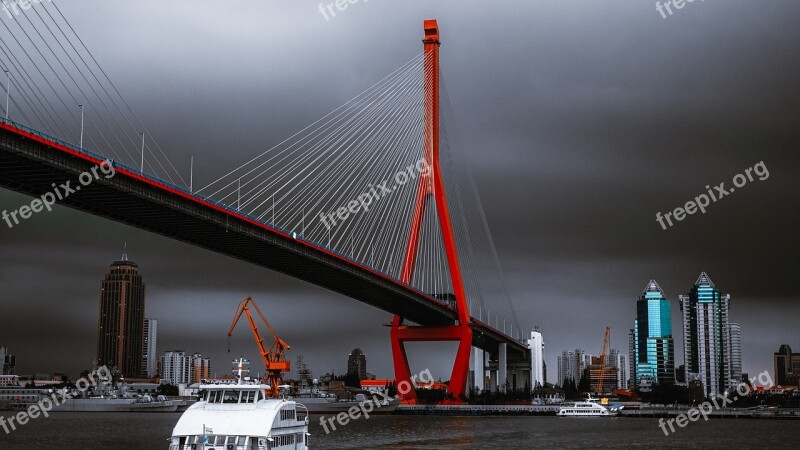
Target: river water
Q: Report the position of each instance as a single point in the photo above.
(68, 431)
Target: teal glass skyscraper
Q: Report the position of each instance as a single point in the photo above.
(651, 344)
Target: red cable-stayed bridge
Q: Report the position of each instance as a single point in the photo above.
(291, 209)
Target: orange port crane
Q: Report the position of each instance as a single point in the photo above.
(274, 360)
(603, 357)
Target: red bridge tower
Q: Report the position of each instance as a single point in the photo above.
(432, 187)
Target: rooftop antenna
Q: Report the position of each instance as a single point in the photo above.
(125, 251)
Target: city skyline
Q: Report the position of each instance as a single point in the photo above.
(593, 162)
(652, 292)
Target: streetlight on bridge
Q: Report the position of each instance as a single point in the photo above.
(8, 90)
(81, 106)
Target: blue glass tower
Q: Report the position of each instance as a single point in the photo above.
(652, 346)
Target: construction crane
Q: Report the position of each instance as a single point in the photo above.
(603, 357)
(274, 360)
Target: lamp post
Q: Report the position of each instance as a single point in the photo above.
(191, 173)
(81, 106)
(141, 165)
(8, 90)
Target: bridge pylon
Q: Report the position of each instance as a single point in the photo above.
(431, 186)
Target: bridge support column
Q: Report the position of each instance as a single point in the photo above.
(502, 366)
(458, 378)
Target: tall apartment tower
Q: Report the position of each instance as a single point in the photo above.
(735, 360)
(619, 361)
(623, 376)
(707, 337)
(149, 357)
(176, 368)
(201, 368)
(121, 323)
(652, 348)
(572, 365)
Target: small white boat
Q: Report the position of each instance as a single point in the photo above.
(241, 417)
(588, 408)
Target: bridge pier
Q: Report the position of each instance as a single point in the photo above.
(502, 366)
(478, 370)
(507, 372)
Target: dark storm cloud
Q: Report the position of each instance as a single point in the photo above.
(580, 121)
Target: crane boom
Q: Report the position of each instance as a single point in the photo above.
(274, 359)
(603, 357)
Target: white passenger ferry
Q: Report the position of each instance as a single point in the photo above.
(587, 408)
(241, 417)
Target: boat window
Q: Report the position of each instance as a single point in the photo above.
(213, 397)
(242, 440)
(284, 439)
(219, 441)
(230, 397)
(248, 397)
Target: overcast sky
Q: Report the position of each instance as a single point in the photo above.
(581, 120)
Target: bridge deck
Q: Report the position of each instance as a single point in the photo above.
(30, 162)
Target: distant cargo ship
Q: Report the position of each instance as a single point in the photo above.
(18, 399)
(100, 404)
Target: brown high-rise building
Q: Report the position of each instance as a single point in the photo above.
(121, 323)
(357, 364)
(787, 367)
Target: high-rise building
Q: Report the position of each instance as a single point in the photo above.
(121, 324)
(179, 368)
(357, 363)
(176, 368)
(536, 345)
(572, 365)
(787, 367)
(620, 361)
(149, 355)
(735, 360)
(652, 347)
(201, 368)
(632, 358)
(563, 366)
(8, 362)
(706, 337)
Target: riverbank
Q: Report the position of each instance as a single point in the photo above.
(477, 410)
(726, 413)
(551, 410)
